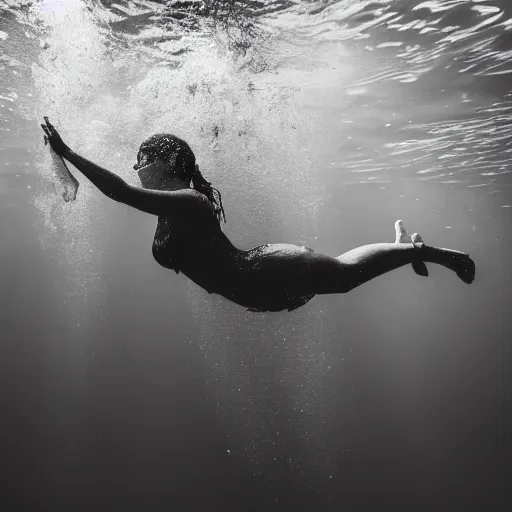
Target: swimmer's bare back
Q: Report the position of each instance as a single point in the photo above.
(272, 277)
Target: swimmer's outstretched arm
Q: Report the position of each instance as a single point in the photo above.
(156, 202)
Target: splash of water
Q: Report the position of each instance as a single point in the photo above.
(253, 140)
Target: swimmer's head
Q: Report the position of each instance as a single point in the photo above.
(162, 157)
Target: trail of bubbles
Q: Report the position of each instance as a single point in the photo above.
(70, 70)
(252, 140)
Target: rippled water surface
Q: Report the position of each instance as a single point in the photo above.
(321, 123)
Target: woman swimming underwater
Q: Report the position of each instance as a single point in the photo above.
(272, 277)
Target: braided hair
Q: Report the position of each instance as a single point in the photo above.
(164, 146)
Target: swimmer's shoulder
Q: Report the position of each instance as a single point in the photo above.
(199, 208)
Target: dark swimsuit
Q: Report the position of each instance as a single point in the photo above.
(244, 277)
(166, 246)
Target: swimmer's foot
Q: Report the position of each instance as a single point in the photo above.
(458, 261)
(403, 237)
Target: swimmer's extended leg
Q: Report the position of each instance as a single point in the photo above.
(365, 263)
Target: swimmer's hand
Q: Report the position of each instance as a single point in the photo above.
(54, 139)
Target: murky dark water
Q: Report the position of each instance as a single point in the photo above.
(126, 387)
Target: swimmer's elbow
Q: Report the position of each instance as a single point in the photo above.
(149, 201)
(115, 195)
(118, 190)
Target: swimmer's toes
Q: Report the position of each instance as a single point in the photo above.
(467, 269)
